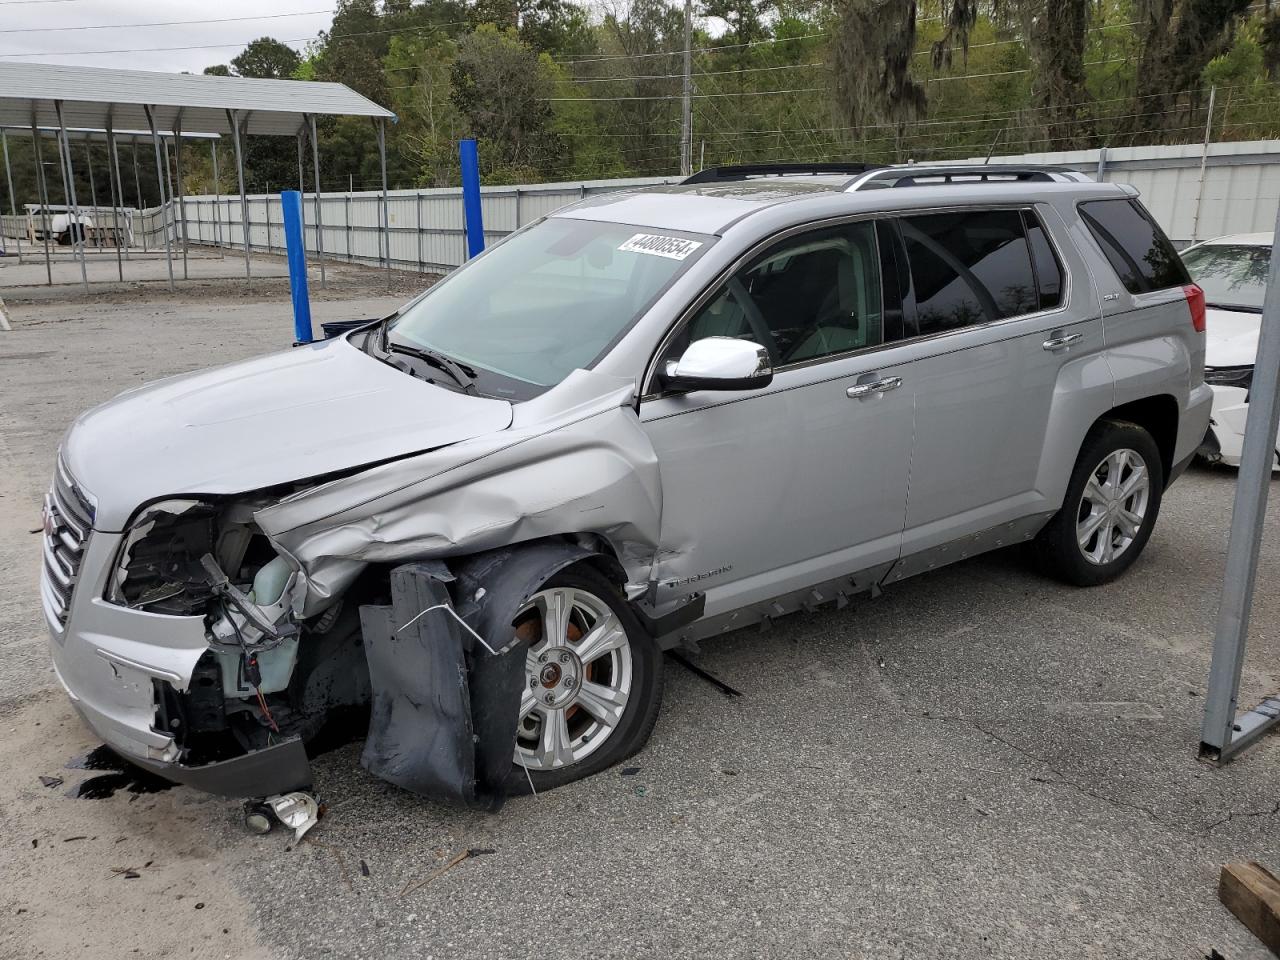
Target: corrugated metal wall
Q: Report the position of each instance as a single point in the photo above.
(425, 227)
(1241, 192)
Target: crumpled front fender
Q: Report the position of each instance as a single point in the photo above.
(575, 460)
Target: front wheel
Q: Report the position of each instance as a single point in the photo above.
(593, 681)
(1110, 508)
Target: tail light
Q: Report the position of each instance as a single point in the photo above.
(1195, 300)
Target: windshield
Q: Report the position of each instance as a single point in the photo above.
(1232, 276)
(546, 301)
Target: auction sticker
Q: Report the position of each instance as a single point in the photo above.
(673, 248)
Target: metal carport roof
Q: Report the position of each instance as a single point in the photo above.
(96, 98)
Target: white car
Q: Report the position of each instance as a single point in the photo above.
(1232, 271)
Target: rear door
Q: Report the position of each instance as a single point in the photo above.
(997, 326)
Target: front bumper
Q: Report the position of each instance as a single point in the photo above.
(109, 658)
(1226, 426)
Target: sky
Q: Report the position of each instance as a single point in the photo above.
(73, 30)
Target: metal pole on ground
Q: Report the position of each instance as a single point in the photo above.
(315, 161)
(233, 117)
(77, 231)
(182, 194)
(217, 199)
(160, 180)
(43, 188)
(385, 214)
(1224, 733)
(473, 219)
(115, 198)
(295, 242)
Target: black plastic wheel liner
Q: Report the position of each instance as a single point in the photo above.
(445, 708)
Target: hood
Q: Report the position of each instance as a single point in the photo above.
(1231, 338)
(270, 420)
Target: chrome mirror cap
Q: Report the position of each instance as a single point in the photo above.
(720, 363)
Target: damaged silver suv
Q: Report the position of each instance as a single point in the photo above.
(647, 419)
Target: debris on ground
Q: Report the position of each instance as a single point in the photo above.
(299, 811)
(1252, 893)
(709, 677)
(51, 781)
(453, 861)
(630, 771)
(129, 873)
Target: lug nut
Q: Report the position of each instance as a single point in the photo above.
(533, 683)
(569, 682)
(542, 658)
(550, 698)
(564, 658)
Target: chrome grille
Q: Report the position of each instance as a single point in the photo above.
(68, 518)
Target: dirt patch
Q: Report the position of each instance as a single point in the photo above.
(126, 876)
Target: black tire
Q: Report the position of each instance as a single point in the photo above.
(641, 710)
(64, 238)
(1058, 548)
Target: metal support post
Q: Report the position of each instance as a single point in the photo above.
(43, 188)
(686, 98)
(115, 198)
(217, 199)
(1204, 162)
(160, 180)
(1223, 733)
(233, 117)
(385, 214)
(13, 197)
(315, 161)
(78, 230)
(182, 199)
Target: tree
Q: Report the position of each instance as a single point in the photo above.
(266, 59)
(872, 53)
(217, 70)
(501, 90)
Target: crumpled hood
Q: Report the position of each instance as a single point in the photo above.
(1231, 338)
(270, 420)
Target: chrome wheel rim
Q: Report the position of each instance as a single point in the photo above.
(578, 674)
(1113, 506)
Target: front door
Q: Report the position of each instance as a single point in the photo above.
(772, 490)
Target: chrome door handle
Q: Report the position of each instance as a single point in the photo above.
(860, 391)
(1057, 343)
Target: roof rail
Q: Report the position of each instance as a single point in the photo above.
(746, 171)
(921, 175)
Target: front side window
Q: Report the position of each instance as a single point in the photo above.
(1137, 249)
(809, 297)
(969, 267)
(547, 301)
(1232, 276)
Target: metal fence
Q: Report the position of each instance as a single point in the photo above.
(425, 227)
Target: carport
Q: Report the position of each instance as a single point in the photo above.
(63, 98)
(115, 183)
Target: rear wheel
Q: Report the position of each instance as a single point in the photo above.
(1110, 508)
(593, 681)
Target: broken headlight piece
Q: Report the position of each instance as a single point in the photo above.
(158, 568)
(1241, 377)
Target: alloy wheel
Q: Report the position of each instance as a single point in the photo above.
(1113, 506)
(578, 677)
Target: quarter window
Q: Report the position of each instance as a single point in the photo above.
(810, 297)
(969, 267)
(1137, 249)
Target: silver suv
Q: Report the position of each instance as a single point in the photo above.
(647, 419)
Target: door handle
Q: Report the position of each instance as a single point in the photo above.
(860, 391)
(1057, 343)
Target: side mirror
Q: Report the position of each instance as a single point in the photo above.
(720, 363)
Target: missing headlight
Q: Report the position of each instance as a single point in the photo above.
(158, 568)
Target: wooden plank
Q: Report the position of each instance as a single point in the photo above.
(1252, 893)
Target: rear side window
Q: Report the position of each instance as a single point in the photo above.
(970, 267)
(1136, 247)
(1045, 261)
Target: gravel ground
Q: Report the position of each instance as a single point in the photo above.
(978, 763)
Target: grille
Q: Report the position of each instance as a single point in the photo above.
(68, 520)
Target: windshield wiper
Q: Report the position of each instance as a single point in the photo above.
(461, 375)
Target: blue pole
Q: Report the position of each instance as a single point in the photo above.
(291, 201)
(471, 196)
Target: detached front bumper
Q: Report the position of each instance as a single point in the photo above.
(1224, 442)
(109, 660)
